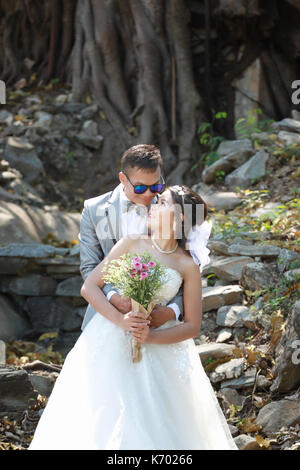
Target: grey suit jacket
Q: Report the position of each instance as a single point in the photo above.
(100, 229)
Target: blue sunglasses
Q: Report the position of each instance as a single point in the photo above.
(142, 188)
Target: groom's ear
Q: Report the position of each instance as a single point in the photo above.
(122, 177)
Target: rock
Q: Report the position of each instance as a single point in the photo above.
(2, 352)
(218, 247)
(229, 370)
(288, 138)
(247, 380)
(273, 416)
(29, 284)
(43, 119)
(230, 269)
(16, 392)
(245, 442)
(6, 117)
(285, 257)
(233, 430)
(253, 169)
(61, 98)
(31, 250)
(33, 100)
(22, 156)
(295, 114)
(231, 397)
(89, 111)
(287, 362)
(42, 384)
(266, 210)
(215, 350)
(65, 342)
(240, 241)
(288, 124)
(218, 200)
(70, 287)
(12, 265)
(256, 310)
(215, 297)
(292, 275)
(89, 135)
(264, 251)
(256, 276)
(235, 316)
(32, 224)
(224, 335)
(232, 155)
(264, 138)
(51, 314)
(13, 326)
(230, 146)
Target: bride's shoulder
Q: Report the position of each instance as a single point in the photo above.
(188, 267)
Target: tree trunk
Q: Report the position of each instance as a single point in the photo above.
(141, 62)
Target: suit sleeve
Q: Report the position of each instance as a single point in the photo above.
(91, 253)
(178, 300)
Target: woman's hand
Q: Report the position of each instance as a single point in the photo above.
(142, 336)
(134, 321)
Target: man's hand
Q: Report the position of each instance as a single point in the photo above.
(123, 304)
(160, 315)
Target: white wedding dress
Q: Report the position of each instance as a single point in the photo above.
(102, 400)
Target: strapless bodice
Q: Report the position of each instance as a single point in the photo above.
(170, 287)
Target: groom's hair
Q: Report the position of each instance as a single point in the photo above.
(142, 156)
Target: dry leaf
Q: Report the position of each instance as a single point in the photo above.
(248, 425)
(19, 117)
(238, 352)
(50, 335)
(262, 442)
(296, 173)
(252, 354)
(212, 365)
(277, 324)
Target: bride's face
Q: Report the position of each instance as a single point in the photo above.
(163, 214)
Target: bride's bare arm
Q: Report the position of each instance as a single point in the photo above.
(92, 293)
(192, 298)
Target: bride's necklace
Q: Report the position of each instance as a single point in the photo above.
(161, 250)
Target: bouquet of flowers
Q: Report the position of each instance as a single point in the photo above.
(140, 278)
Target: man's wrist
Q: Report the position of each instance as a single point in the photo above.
(110, 294)
(175, 312)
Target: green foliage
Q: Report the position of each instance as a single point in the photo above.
(71, 157)
(209, 142)
(245, 127)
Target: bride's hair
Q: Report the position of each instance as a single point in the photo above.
(183, 195)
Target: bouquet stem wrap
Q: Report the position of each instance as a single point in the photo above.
(136, 352)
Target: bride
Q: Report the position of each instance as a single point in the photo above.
(101, 398)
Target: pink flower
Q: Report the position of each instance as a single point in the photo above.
(133, 271)
(137, 259)
(145, 266)
(151, 264)
(137, 265)
(143, 275)
(132, 274)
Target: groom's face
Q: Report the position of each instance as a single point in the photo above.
(140, 176)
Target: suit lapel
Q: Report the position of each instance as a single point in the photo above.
(113, 218)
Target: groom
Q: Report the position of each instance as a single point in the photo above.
(119, 213)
